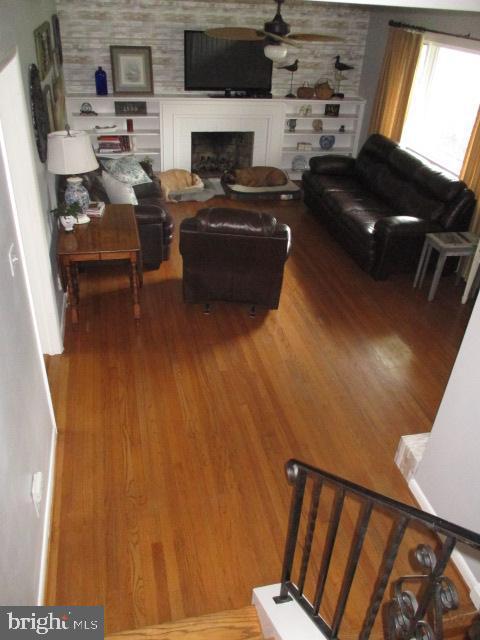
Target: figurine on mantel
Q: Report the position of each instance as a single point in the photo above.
(338, 69)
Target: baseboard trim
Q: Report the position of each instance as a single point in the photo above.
(63, 315)
(457, 557)
(47, 525)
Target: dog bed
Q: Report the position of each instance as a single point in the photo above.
(289, 191)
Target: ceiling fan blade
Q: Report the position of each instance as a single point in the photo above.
(235, 33)
(313, 37)
(273, 36)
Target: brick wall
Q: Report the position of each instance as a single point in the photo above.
(88, 30)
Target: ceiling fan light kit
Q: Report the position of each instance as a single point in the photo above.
(276, 52)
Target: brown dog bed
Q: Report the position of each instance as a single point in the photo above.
(260, 183)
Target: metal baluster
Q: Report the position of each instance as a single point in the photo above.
(299, 477)
(447, 548)
(351, 567)
(312, 521)
(388, 561)
(328, 550)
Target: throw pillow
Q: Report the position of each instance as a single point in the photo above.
(126, 169)
(118, 192)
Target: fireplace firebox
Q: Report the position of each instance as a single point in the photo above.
(214, 152)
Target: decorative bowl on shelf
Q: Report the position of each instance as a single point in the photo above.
(326, 142)
(299, 163)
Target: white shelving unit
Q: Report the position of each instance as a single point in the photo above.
(346, 143)
(145, 139)
(163, 133)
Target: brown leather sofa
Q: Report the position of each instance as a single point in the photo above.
(155, 225)
(380, 205)
(233, 255)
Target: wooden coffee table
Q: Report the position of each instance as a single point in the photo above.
(114, 236)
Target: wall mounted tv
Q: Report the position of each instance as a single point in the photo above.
(214, 64)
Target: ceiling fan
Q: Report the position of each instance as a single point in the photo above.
(275, 33)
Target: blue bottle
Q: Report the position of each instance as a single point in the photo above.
(101, 82)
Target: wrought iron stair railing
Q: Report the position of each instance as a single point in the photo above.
(416, 606)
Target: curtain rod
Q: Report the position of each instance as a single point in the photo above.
(412, 27)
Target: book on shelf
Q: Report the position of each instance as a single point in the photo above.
(95, 209)
(113, 144)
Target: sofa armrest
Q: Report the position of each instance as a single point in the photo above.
(399, 242)
(150, 214)
(333, 165)
(403, 226)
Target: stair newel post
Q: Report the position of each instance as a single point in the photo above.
(296, 477)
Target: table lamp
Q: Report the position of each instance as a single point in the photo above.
(68, 154)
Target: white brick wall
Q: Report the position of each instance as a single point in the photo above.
(88, 30)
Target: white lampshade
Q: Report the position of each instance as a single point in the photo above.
(70, 153)
(276, 52)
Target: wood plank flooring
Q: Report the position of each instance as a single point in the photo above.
(170, 495)
(240, 624)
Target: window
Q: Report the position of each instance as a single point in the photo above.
(443, 105)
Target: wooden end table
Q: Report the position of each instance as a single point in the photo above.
(114, 236)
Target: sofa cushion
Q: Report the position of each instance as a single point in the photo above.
(334, 165)
(323, 183)
(439, 185)
(125, 169)
(118, 192)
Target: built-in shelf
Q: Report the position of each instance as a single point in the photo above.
(170, 119)
(115, 115)
(123, 132)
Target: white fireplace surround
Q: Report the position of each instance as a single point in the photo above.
(180, 118)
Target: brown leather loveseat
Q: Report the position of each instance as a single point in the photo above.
(380, 205)
(233, 255)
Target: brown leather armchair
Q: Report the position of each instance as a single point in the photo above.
(233, 255)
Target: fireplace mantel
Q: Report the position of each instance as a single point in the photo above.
(180, 118)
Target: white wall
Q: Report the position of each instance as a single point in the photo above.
(88, 29)
(27, 426)
(18, 19)
(449, 472)
(451, 21)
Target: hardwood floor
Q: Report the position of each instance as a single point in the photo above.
(170, 497)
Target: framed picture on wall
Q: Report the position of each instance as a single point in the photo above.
(43, 47)
(47, 96)
(57, 39)
(131, 70)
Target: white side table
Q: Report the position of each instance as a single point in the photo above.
(449, 243)
(472, 274)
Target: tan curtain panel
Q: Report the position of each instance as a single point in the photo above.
(395, 82)
(470, 172)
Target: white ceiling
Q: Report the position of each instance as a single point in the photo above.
(451, 5)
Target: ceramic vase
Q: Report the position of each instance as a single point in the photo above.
(326, 142)
(76, 192)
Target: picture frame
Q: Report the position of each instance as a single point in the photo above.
(131, 70)
(39, 111)
(332, 110)
(57, 39)
(43, 47)
(48, 98)
(130, 108)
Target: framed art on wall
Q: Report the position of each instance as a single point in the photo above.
(131, 70)
(43, 47)
(39, 111)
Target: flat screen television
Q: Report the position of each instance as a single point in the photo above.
(214, 64)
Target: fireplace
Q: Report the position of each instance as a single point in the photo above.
(214, 152)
